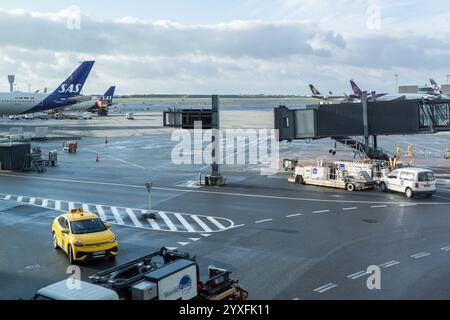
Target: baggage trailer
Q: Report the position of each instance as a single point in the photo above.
(340, 175)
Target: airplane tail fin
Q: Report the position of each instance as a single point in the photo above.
(74, 83)
(314, 90)
(355, 88)
(109, 95)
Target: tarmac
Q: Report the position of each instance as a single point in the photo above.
(281, 241)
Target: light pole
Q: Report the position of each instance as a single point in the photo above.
(149, 186)
(396, 82)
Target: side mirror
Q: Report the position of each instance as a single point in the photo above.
(108, 225)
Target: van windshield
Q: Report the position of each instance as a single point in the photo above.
(426, 176)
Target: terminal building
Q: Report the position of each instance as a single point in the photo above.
(423, 89)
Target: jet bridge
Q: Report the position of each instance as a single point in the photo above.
(348, 122)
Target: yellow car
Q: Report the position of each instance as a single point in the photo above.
(83, 236)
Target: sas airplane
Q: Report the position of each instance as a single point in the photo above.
(68, 93)
(94, 103)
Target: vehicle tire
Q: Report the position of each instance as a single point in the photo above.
(55, 242)
(71, 257)
(301, 180)
(350, 187)
(383, 187)
(112, 258)
(409, 193)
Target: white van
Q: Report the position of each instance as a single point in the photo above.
(410, 181)
(130, 115)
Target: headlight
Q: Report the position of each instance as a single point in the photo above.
(112, 240)
(79, 244)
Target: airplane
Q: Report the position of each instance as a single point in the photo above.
(438, 90)
(317, 95)
(66, 94)
(388, 96)
(94, 103)
(357, 92)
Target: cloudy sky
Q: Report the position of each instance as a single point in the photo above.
(218, 46)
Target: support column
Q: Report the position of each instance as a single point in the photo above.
(215, 178)
(365, 121)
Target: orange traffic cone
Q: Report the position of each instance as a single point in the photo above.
(106, 140)
(97, 159)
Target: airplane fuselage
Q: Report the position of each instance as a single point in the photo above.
(19, 102)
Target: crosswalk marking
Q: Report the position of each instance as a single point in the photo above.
(168, 222)
(101, 212)
(117, 215)
(217, 223)
(201, 224)
(85, 207)
(163, 220)
(133, 217)
(184, 222)
(152, 222)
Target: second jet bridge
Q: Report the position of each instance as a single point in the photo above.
(346, 120)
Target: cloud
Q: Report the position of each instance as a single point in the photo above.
(251, 56)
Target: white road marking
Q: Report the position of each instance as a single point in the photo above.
(205, 235)
(357, 275)
(153, 224)
(8, 197)
(408, 205)
(101, 213)
(389, 264)
(325, 288)
(172, 248)
(184, 222)
(348, 209)
(85, 207)
(262, 221)
(216, 223)
(201, 223)
(420, 255)
(167, 220)
(446, 248)
(322, 211)
(381, 206)
(206, 192)
(194, 239)
(445, 198)
(183, 243)
(133, 217)
(117, 215)
(294, 215)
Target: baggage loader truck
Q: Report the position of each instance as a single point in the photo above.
(161, 275)
(340, 174)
